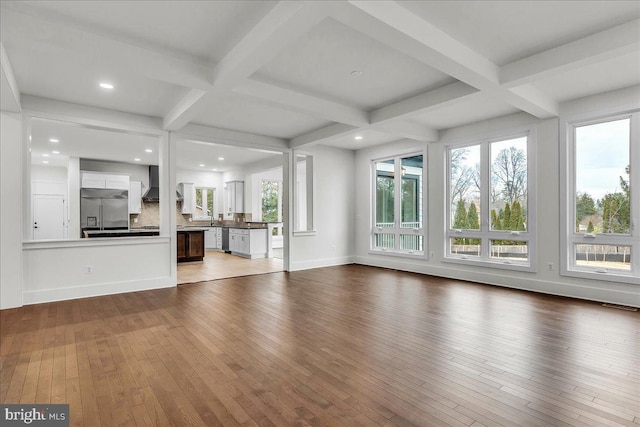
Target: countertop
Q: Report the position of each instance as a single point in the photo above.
(138, 232)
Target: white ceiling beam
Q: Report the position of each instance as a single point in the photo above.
(67, 40)
(172, 120)
(409, 130)
(10, 93)
(327, 133)
(390, 23)
(598, 47)
(432, 100)
(399, 128)
(434, 45)
(211, 134)
(301, 102)
(532, 100)
(280, 27)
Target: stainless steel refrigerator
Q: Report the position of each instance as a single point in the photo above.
(103, 209)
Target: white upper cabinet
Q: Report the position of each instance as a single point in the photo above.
(104, 180)
(135, 197)
(234, 192)
(188, 191)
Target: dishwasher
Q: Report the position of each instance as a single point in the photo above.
(225, 240)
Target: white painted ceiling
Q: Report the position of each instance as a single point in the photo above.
(283, 69)
(124, 147)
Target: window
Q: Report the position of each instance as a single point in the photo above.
(398, 205)
(489, 215)
(271, 202)
(204, 203)
(603, 199)
(303, 193)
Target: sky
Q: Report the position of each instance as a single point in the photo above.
(602, 154)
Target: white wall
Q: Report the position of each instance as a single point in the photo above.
(548, 215)
(11, 178)
(334, 220)
(54, 273)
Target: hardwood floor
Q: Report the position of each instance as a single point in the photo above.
(349, 345)
(219, 265)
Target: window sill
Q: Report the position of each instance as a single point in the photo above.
(609, 276)
(415, 255)
(304, 233)
(513, 266)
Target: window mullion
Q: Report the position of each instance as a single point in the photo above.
(397, 168)
(485, 187)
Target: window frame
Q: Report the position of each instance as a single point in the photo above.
(569, 237)
(310, 194)
(205, 199)
(485, 234)
(397, 230)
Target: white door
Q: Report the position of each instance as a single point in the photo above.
(48, 217)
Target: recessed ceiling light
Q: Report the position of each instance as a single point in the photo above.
(220, 158)
(201, 165)
(136, 159)
(45, 155)
(356, 73)
(105, 85)
(358, 138)
(55, 152)
(54, 140)
(45, 161)
(148, 150)
(214, 169)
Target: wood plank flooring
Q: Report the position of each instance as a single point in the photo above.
(340, 346)
(219, 265)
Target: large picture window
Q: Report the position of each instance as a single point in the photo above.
(398, 205)
(603, 198)
(489, 199)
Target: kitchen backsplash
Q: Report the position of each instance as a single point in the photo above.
(150, 216)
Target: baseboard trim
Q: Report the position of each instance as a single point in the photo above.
(62, 294)
(317, 263)
(585, 292)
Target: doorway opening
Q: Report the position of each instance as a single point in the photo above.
(234, 197)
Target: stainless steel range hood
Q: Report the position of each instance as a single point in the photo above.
(153, 193)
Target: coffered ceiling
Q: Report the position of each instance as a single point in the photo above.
(321, 72)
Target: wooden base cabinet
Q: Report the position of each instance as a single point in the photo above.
(190, 245)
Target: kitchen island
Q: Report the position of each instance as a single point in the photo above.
(190, 243)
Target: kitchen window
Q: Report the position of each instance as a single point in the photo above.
(603, 209)
(398, 205)
(490, 214)
(204, 203)
(271, 202)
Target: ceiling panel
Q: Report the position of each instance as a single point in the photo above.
(369, 138)
(505, 31)
(203, 30)
(88, 143)
(601, 77)
(192, 154)
(238, 112)
(64, 76)
(322, 61)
